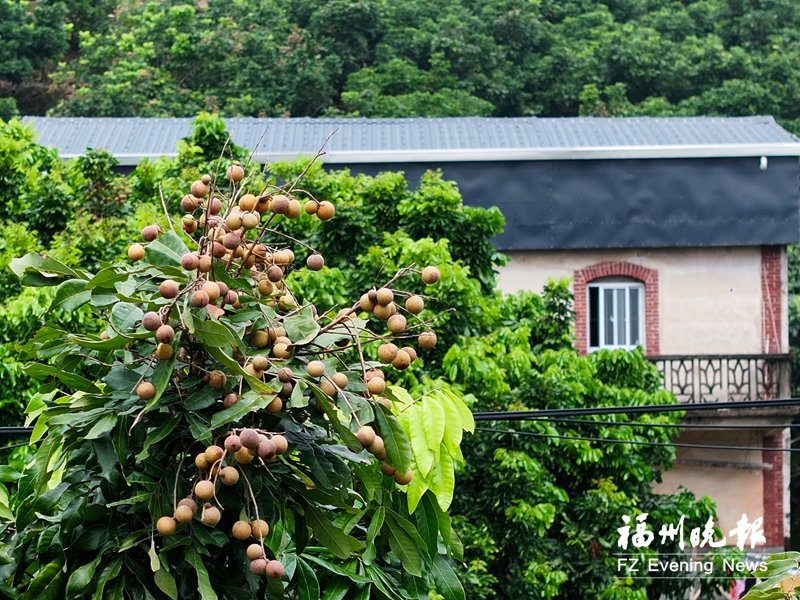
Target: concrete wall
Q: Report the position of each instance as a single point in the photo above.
(735, 489)
(710, 299)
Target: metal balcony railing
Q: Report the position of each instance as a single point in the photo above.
(725, 378)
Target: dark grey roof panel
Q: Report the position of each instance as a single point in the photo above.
(437, 140)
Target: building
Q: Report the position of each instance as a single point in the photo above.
(674, 231)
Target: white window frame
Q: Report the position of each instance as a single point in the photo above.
(614, 284)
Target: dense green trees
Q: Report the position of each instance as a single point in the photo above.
(386, 58)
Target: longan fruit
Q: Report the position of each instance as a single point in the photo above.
(229, 475)
(340, 379)
(280, 204)
(403, 479)
(218, 250)
(316, 368)
(235, 173)
(166, 526)
(265, 287)
(385, 296)
(169, 289)
(200, 299)
(205, 264)
(376, 386)
(164, 352)
(199, 189)
(233, 221)
(366, 304)
(274, 569)
(260, 528)
(295, 208)
(275, 406)
(275, 273)
(430, 275)
(281, 445)
(211, 515)
(233, 443)
(384, 312)
(228, 401)
(204, 489)
(267, 448)
(311, 207)
(241, 530)
(276, 332)
(325, 211)
(387, 352)
(145, 390)
(183, 514)
(281, 351)
(189, 224)
(254, 551)
(243, 456)
(190, 261)
(249, 438)
(165, 334)
(377, 448)
(206, 179)
(366, 435)
(213, 454)
(412, 354)
(150, 233)
(201, 462)
(427, 340)
(259, 566)
(328, 387)
(388, 469)
(402, 360)
(248, 202)
(217, 379)
(212, 289)
(396, 324)
(373, 373)
(250, 221)
(260, 363)
(190, 203)
(232, 298)
(315, 262)
(260, 339)
(151, 321)
(251, 370)
(414, 304)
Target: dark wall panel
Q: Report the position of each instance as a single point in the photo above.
(629, 203)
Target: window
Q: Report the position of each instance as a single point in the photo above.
(616, 314)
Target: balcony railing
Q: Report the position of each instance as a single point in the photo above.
(725, 378)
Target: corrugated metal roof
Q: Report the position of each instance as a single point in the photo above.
(436, 140)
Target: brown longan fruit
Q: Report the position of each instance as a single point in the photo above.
(250, 220)
(190, 261)
(384, 312)
(165, 334)
(248, 203)
(251, 370)
(315, 262)
(281, 351)
(274, 569)
(281, 445)
(387, 352)
(190, 203)
(403, 479)
(376, 386)
(316, 368)
(402, 360)
(241, 530)
(216, 206)
(190, 503)
(430, 275)
(285, 375)
(232, 298)
(377, 448)
(260, 363)
(217, 379)
(213, 453)
(366, 304)
(388, 469)
(275, 273)
(266, 448)
(243, 456)
(204, 489)
(366, 435)
(200, 299)
(218, 250)
(265, 287)
(201, 462)
(151, 321)
(383, 401)
(340, 379)
(276, 332)
(396, 324)
(385, 296)
(169, 289)
(373, 373)
(233, 443)
(275, 406)
(166, 526)
(310, 207)
(412, 354)
(295, 208)
(263, 203)
(136, 252)
(415, 304)
(150, 233)
(233, 221)
(427, 340)
(211, 515)
(259, 566)
(284, 256)
(254, 551)
(205, 264)
(199, 189)
(235, 173)
(183, 514)
(229, 475)
(325, 211)
(260, 339)
(206, 179)
(164, 352)
(145, 390)
(260, 528)
(189, 224)
(212, 289)
(280, 204)
(328, 387)
(249, 438)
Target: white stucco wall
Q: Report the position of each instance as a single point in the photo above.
(709, 298)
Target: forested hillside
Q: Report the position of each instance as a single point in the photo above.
(384, 58)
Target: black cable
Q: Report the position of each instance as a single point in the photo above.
(16, 430)
(14, 446)
(525, 415)
(675, 425)
(615, 441)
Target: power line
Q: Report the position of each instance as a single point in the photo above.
(526, 415)
(641, 424)
(637, 442)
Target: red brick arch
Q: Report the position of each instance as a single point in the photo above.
(617, 269)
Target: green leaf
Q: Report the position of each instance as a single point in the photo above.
(124, 317)
(307, 584)
(403, 546)
(109, 572)
(47, 584)
(330, 536)
(81, 576)
(107, 278)
(397, 445)
(336, 569)
(76, 382)
(104, 425)
(374, 527)
(337, 588)
(415, 491)
(445, 580)
(166, 583)
(324, 402)
(442, 479)
(433, 421)
(249, 402)
(467, 420)
(167, 250)
(301, 327)
(194, 559)
(428, 525)
(71, 294)
(216, 334)
(32, 260)
(424, 456)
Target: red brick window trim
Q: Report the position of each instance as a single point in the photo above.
(649, 277)
(771, 299)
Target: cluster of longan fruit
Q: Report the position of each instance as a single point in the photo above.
(373, 443)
